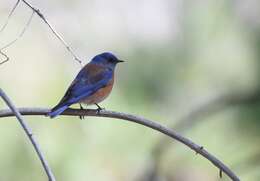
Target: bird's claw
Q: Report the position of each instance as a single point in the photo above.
(99, 109)
(81, 117)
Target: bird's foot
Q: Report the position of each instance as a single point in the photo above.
(81, 108)
(99, 109)
(81, 117)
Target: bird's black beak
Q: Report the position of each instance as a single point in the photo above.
(120, 61)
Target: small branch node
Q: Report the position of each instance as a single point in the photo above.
(39, 13)
(220, 173)
(199, 150)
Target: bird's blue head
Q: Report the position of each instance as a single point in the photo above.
(106, 59)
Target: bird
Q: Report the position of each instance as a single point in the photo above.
(92, 84)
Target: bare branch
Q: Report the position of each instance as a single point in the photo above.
(212, 106)
(20, 35)
(128, 117)
(9, 16)
(15, 112)
(3, 27)
(37, 11)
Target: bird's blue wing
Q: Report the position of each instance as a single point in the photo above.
(90, 79)
(87, 85)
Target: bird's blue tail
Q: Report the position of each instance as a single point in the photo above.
(57, 110)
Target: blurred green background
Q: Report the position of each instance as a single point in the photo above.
(192, 65)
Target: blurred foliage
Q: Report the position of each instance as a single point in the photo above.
(178, 53)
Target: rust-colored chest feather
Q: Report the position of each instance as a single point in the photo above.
(100, 94)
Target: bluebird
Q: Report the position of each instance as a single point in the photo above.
(92, 85)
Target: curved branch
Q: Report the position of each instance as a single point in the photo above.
(211, 106)
(15, 112)
(132, 118)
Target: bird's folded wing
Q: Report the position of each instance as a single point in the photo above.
(85, 84)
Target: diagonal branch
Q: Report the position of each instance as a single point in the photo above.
(211, 106)
(21, 33)
(196, 115)
(9, 16)
(15, 112)
(38, 12)
(136, 119)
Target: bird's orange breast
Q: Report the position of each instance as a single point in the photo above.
(100, 94)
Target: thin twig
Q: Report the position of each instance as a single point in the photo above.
(128, 117)
(15, 112)
(4, 26)
(6, 58)
(37, 11)
(21, 33)
(9, 16)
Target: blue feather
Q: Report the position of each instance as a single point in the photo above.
(57, 111)
(94, 76)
